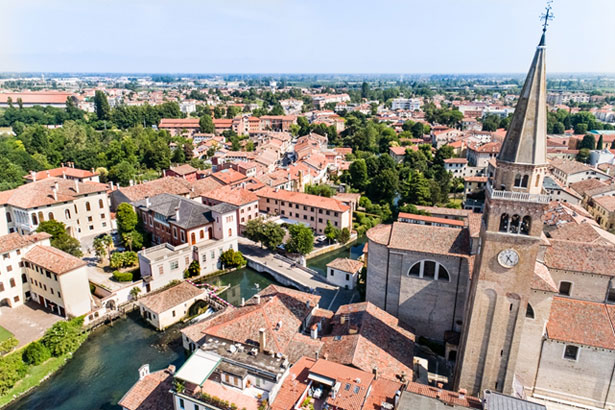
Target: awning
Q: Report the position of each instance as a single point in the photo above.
(321, 379)
(198, 367)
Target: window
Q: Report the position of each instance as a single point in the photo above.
(173, 313)
(174, 265)
(571, 352)
(202, 234)
(16, 298)
(204, 257)
(529, 312)
(50, 216)
(89, 219)
(504, 219)
(181, 403)
(1, 287)
(34, 219)
(524, 181)
(565, 288)
(102, 216)
(429, 270)
(514, 224)
(9, 268)
(526, 224)
(67, 214)
(59, 295)
(101, 204)
(183, 236)
(8, 217)
(87, 206)
(12, 282)
(175, 232)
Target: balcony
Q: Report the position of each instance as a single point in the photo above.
(516, 196)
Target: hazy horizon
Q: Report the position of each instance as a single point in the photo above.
(295, 37)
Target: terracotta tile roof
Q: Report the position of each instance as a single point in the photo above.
(490, 147)
(233, 196)
(205, 185)
(607, 202)
(346, 265)
(436, 210)
(582, 322)
(581, 257)
(431, 219)
(445, 396)
(429, 239)
(59, 172)
(380, 234)
(583, 232)
(383, 391)
(40, 193)
(36, 97)
(455, 161)
(184, 169)
(583, 187)
(179, 123)
(166, 185)
(231, 394)
(475, 179)
(474, 224)
(294, 385)
(278, 305)
(15, 240)
(169, 298)
(53, 259)
(542, 279)
(354, 384)
(568, 166)
(303, 199)
(399, 151)
(369, 337)
(150, 393)
(228, 176)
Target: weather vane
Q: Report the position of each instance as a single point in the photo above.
(547, 15)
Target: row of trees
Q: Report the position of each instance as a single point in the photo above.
(271, 235)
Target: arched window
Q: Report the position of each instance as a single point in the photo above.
(537, 180)
(526, 224)
(101, 204)
(34, 219)
(518, 180)
(230, 232)
(67, 214)
(50, 216)
(41, 217)
(202, 234)
(524, 181)
(87, 206)
(504, 220)
(515, 221)
(429, 270)
(529, 312)
(192, 238)
(8, 217)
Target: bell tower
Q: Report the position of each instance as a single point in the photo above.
(509, 243)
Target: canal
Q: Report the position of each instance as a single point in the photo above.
(106, 365)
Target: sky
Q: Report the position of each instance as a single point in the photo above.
(309, 36)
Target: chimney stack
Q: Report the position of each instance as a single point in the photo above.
(143, 371)
(261, 340)
(48, 175)
(164, 172)
(177, 214)
(33, 174)
(314, 331)
(111, 185)
(258, 299)
(132, 182)
(63, 174)
(55, 193)
(243, 302)
(147, 203)
(76, 186)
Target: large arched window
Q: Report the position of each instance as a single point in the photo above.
(526, 224)
(524, 181)
(34, 219)
(431, 270)
(504, 220)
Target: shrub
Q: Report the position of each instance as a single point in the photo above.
(123, 259)
(8, 345)
(36, 353)
(193, 270)
(232, 259)
(64, 336)
(12, 369)
(122, 276)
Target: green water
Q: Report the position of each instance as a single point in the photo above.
(352, 251)
(244, 283)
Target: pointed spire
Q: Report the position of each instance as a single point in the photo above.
(526, 139)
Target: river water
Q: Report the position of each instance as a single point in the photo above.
(106, 365)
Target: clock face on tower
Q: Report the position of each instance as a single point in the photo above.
(508, 258)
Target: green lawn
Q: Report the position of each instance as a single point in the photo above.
(4, 334)
(33, 378)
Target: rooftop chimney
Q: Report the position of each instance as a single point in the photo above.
(314, 331)
(462, 393)
(111, 185)
(258, 299)
(55, 193)
(56, 186)
(33, 174)
(48, 174)
(261, 339)
(164, 172)
(243, 302)
(177, 214)
(63, 174)
(76, 186)
(375, 371)
(143, 371)
(147, 203)
(132, 182)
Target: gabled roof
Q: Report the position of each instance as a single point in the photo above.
(40, 193)
(166, 185)
(53, 259)
(169, 298)
(191, 213)
(581, 257)
(152, 392)
(15, 240)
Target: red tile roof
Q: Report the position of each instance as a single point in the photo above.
(36, 97)
(582, 322)
(184, 169)
(233, 196)
(53, 259)
(150, 393)
(581, 257)
(40, 193)
(354, 384)
(294, 385)
(346, 265)
(303, 199)
(179, 123)
(166, 185)
(446, 396)
(432, 219)
(15, 240)
(59, 172)
(171, 297)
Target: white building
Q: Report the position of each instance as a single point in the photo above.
(411, 104)
(344, 272)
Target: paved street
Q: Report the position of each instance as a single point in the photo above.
(27, 322)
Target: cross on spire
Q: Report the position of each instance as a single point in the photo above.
(547, 15)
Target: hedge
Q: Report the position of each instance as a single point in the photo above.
(122, 276)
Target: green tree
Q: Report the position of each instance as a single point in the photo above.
(580, 128)
(126, 218)
(232, 259)
(35, 354)
(254, 230)
(64, 336)
(331, 232)
(102, 246)
(419, 191)
(132, 239)
(122, 173)
(600, 144)
(358, 174)
(194, 269)
(343, 235)
(273, 235)
(206, 124)
(301, 239)
(60, 239)
(589, 142)
(101, 105)
(583, 155)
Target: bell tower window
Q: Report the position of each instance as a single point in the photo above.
(526, 224)
(514, 224)
(518, 180)
(504, 220)
(524, 181)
